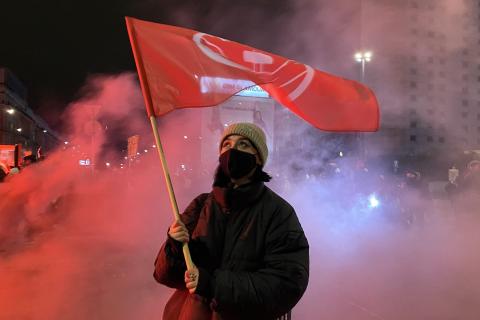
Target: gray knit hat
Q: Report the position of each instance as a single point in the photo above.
(254, 133)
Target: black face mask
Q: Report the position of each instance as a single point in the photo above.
(237, 164)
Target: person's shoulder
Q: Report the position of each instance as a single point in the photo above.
(277, 201)
(198, 200)
(202, 197)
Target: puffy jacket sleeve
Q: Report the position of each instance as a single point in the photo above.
(273, 289)
(170, 265)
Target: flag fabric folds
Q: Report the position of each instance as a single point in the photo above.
(183, 68)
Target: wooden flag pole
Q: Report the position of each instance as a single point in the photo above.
(151, 114)
(171, 194)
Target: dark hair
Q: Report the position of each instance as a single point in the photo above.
(222, 180)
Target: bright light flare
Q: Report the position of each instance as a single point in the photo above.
(363, 56)
(373, 201)
(11, 111)
(358, 56)
(19, 129)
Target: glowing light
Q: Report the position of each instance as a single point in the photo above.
(373, 201)
(145, 150)
(85, 162)
(107, 164)
(183, 167)
(363, 56)
(225, 125)
(185, 137)
(44, 131)
(340, 154)
(11, 111)
(66, 142)
(225, 85)
(154, 146)
(138, 153)
(126, 158)
(19, 129)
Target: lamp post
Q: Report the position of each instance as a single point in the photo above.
(363, 57)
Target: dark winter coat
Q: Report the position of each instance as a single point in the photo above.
(251, 252)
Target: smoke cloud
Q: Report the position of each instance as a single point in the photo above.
(78, 243)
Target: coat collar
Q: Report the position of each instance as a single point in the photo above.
(235, 199)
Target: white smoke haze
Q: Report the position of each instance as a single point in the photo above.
(77, 244)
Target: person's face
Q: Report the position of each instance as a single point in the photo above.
(241, 144)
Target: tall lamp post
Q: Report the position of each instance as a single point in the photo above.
(363, 57)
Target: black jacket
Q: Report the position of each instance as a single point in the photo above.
(250, 249)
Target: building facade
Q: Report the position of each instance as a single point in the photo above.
(18, 123)
(426, 73)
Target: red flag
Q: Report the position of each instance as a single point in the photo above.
(182, 68)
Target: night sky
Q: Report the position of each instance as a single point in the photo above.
(53, 46)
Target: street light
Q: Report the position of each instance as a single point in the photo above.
(363, 57)
(10, 111)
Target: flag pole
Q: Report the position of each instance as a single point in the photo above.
(153, 121)
(171, 194)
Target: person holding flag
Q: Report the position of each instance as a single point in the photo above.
(250, 252)
(245, 255)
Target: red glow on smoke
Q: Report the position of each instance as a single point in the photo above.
(77, 245)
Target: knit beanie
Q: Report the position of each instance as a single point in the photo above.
(253, 133)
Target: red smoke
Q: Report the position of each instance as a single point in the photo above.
(77, 245)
